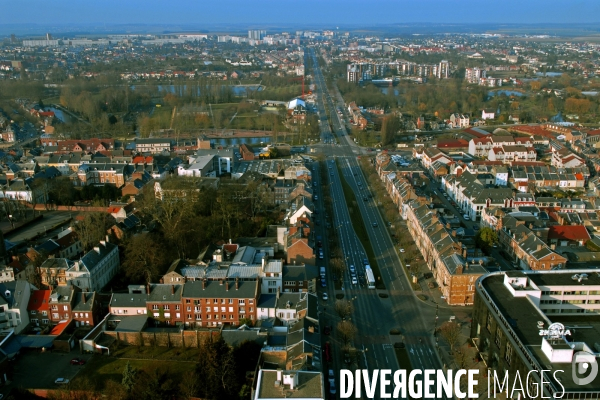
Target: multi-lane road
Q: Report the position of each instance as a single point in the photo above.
(373, 315)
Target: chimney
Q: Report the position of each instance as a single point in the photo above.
(172, 289)
(220, 282)
(83, 297)
(447, 225)
(453, 232)
(279, 373)
(97, 249)
(106, 239)
(459, 270)
(227, 286)
(539, 247)
(237, 283)
(148, 288)
(203, 284)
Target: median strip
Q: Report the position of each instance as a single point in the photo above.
(359, 227)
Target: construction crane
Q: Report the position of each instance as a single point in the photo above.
(297, 79)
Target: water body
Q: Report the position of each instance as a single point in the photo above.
(225, 142)
(505, 92)
(385, 91)
(550, 74)
(238, 90)
(60, 115)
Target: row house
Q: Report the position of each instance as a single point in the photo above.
(564, 158)
(508, 154)
(214, 303)
(84, 146)
(153, 145)
(289, 308)
(164, 304)
(401, 192)
(444, 255)
(481, 146)
(527, 250)
(473, 193)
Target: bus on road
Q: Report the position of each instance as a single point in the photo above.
(370, 277)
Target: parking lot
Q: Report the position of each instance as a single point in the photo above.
(38, 370)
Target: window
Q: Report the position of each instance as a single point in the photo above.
(33, 312)
(223, 309)
(230, 309)
(177, 315)
(165, 307)
(188, 308)
(508, 353)
(230, 301)
(216, 309)
(208, 309)
(488, 324)
(498, 338)
(155, 306)
(241, 301)
(177, 307)
(44, 313)
(187, 301)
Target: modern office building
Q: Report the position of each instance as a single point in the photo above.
(541, 320)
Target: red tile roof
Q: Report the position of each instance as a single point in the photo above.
(568, 232)
(38, 300)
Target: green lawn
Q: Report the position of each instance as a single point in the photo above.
(101, 369)
(158, 353)
(359, 228)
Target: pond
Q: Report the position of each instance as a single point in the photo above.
(60, 115)
(550, 74)
(225, 142)
(505, 92)
(238, 90)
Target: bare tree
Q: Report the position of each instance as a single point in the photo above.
(337, 265)
(344, 308)
(189, 384)
(463, 356)
(347, 330)
(450, 331)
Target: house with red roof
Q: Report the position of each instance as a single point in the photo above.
(38, 308)
(568, 235)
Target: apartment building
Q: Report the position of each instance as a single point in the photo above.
(444, 254)
(153, 145)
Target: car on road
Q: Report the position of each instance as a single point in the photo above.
(325, 296)
(365, 261)
(354, 280)
(61, 381)
(332, 389)
(77, 361)
(374, 224)
(323, 282)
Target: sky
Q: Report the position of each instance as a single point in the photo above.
(205, 13)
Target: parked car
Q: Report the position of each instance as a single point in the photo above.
(325, 296)
(77, 361)
(61, 381)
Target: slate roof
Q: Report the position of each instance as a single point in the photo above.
(213, 289)
(92, 258)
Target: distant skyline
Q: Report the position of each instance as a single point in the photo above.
(327, 13)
